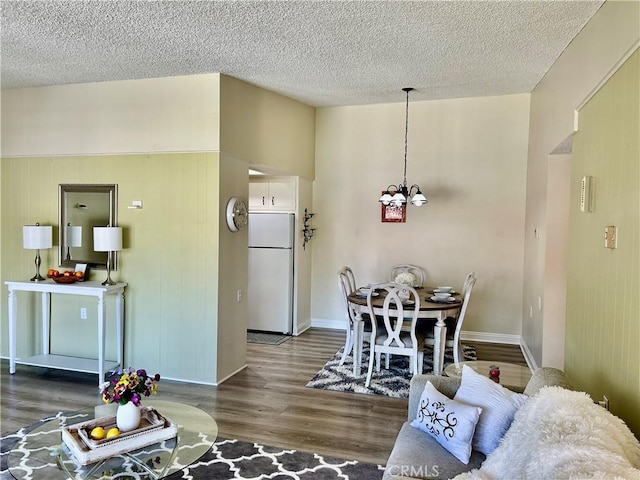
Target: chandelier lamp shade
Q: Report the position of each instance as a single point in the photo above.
(107, 239)
(36, 237)
(398, 194)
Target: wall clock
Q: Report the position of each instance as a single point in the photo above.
(237, 214)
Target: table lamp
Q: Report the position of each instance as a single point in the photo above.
(107, 239)
(73, 238)
(35, 237)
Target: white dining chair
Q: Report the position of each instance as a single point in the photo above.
(454, 324)
(407, 268)
(346, 286)
(401, 304)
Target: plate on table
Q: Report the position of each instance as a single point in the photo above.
(443, 300)
(408, 302)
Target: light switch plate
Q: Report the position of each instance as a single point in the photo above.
(610, 236)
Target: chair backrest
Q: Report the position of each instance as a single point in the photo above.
(350, 277)
(465, 285)
(401, 303)
(344, 286)
(414, 269)
(465, 303)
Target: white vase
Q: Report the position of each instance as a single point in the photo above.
(127, 417)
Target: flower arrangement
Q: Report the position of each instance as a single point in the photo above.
(406, 278)
(129, 386)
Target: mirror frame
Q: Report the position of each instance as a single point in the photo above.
(63, 190)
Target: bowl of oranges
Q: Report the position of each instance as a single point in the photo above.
(67, 276)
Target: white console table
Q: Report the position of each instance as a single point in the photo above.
(63, 362)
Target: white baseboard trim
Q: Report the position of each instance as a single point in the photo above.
(528, 356)
(464, 335)
(331, 324)
(299, 329)
(490, 337)
(228, 376)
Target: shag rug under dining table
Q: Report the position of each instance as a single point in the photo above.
(393, 382)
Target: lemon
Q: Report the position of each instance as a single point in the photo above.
(113, 432)
(97, 433)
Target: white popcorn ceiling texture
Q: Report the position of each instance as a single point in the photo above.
(323, 53)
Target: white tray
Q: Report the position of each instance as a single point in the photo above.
(153, 429)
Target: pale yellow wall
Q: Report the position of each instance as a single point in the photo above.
(174, 114)
(557, 236)
(603, 305)
(170, 257)
(469, 156)
(266, 129)
(232, 272)
(612, 33)
(303, 259)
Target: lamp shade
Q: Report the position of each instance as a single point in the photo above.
(36, 236)
(107, 239)
(73, 236)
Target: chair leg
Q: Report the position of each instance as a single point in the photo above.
(370, 371)
(387, 358)
(420, 361)
(378, 359)
(348, 345)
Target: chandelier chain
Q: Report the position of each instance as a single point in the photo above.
(406, 134)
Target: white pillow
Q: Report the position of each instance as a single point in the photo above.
(498, 404)
(451, 423)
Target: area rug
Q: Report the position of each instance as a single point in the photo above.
(233, 459)
(267, 338)
(393, 382)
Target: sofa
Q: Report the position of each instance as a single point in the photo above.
(555, 433)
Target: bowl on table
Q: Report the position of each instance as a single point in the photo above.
(441, 295)
(442, 290)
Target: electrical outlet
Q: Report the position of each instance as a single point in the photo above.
(83, 313)
(239, 296)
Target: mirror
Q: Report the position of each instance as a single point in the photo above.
(83, 207)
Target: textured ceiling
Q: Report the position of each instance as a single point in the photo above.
(319, 52)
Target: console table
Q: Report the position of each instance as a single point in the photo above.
(63, 362)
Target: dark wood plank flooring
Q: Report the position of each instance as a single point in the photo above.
(267, 402)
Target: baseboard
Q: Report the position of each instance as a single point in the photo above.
(528, 356)
(299, 329)
(464, 335)
(228, 376)
(487, 337)
(331, 324)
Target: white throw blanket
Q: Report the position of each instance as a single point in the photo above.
(561, 434)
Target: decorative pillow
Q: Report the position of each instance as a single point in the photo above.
(498, 404)
(451, 423)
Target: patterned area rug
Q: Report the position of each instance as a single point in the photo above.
(392, 383)
(267, 338)
(228, 459)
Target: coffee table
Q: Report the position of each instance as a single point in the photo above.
(512, 376)
(41, 453)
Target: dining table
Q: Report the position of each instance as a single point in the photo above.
(438, 310)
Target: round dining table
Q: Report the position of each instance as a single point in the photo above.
(428, 309)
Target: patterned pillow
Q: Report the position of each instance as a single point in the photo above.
(499, 405)
(451, 423)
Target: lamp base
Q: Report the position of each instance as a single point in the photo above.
(37, 278)
(108, 281)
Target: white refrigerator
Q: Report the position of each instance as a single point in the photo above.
(270, 290)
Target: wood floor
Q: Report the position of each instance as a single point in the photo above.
(267, 402)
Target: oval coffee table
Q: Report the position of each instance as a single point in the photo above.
(41, 453)
(512, 376)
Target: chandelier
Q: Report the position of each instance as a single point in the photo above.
(398, 194)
